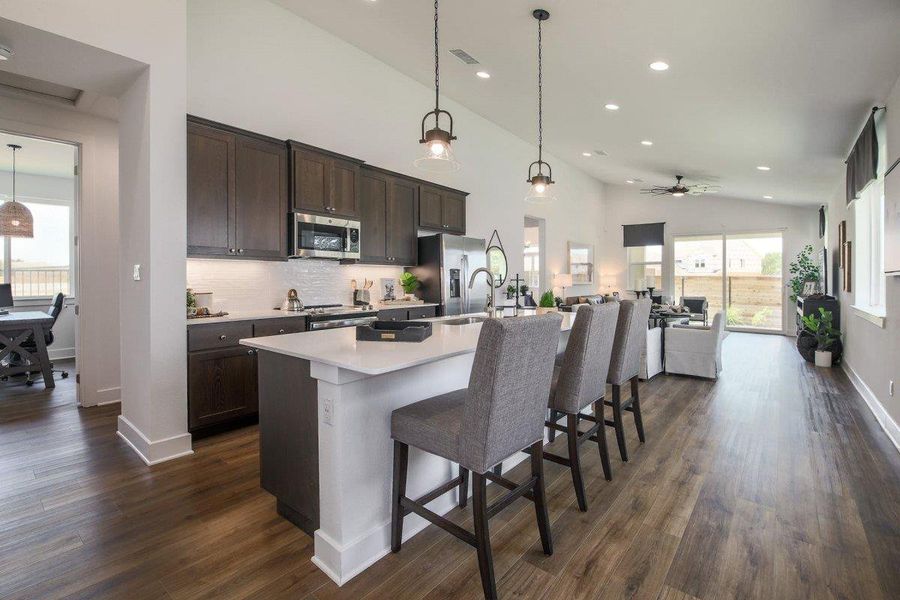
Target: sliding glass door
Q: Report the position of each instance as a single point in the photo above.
(738, 273)
(699, 270)
(754, 290)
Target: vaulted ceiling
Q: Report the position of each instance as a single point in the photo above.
(751, 82)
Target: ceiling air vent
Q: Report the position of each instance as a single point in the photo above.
(464, 56)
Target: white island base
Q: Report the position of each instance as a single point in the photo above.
(358, 385)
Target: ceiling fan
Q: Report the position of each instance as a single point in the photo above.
(680, 189)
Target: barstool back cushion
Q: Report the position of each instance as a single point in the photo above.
(508, 389)
(582, 377)
(631, 337)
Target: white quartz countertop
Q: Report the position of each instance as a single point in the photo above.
(247, 315)
(339, 347)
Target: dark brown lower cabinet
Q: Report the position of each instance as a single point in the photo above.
(222, 386)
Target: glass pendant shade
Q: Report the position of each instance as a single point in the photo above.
(437, 154)
(15, 218)
(541, 190)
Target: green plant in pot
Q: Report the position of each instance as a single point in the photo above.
(802, 269)
(409, 282)
(510, 291)
(822, 328)
(547, 302)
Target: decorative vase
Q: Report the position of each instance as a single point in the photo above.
(823, 358)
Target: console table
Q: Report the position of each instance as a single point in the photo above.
(15, 329)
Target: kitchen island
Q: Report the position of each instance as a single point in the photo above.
(325, 403)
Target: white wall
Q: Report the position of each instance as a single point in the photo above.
(704, 214)
(98, 252)
(872, 353)
(152, 216)
(257, 66)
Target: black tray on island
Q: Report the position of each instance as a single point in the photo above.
(393, 331)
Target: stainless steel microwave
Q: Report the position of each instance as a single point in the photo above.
(315, 236)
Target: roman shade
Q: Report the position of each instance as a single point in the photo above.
(862, 164)
(644, 234)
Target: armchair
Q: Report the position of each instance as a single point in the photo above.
(698, 306)
(695, 350)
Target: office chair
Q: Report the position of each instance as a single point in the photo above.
(54, 311)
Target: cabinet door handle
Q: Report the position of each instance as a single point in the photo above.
(222, 337)
(231, 250)
(251, 352)
(241, 251)
(281, 331)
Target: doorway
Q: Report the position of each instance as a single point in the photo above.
(534, 256)
(38, 268)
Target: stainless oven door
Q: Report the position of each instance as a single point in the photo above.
(348, 322)
(315, 236)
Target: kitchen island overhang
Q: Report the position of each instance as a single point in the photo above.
(325, 446)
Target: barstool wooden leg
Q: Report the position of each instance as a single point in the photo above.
(401, 460)
(463, 487)
(636, 408)
(482, 535)
(575, 461)
(601, 439)
(540, 497)
(617, 421)
(554, 417)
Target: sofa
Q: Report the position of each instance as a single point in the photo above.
(572, 303)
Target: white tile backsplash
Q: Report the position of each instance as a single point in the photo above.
(244, 285)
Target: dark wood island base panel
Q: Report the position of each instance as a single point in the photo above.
(289, 437)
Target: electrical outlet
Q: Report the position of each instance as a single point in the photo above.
(137, 272)
(891, 388)
(328, 411)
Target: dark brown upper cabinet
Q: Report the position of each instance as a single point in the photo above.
(442, 210)
(236, 193)
(323, 182)
(387, 218)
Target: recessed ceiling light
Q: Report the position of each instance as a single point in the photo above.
(659, 66)
(483, 74)
(767, 197)
(611, 106)
(647, 143)
(763, 168)
(629, 181)
(586, 154)
(5, 53)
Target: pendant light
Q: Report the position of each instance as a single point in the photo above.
(541, 190)
(437, 155)
(15, 218)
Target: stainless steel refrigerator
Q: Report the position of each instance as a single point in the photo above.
(446, 263)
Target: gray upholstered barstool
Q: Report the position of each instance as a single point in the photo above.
(580, 381)
(625, 364)
(500, 413)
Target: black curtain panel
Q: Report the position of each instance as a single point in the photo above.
(862, 164)
(644, 234)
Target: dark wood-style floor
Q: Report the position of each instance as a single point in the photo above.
(774, 482)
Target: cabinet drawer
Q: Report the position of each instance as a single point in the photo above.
(393, 314)
(218, 335)
(422, 312)
(266, 327)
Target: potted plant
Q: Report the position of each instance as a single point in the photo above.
(547, 303)
(409, 283)
(510, 291)
(826, 335)
(802, 270)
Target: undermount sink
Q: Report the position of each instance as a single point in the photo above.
(465, 321)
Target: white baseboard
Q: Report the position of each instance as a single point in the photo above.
(881, 415)
(153, 453)
(60, 353)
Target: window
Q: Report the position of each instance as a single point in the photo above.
(644, 267)
(868, 244)
(41, 266)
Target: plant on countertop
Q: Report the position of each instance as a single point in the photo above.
(523, 289)
(802, 270)
(409, 282)
(510, 291)
(191, 299)
(822, 328)
(547, 300)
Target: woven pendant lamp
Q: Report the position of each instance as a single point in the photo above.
(15, 218)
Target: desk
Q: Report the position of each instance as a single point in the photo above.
(15, 329)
